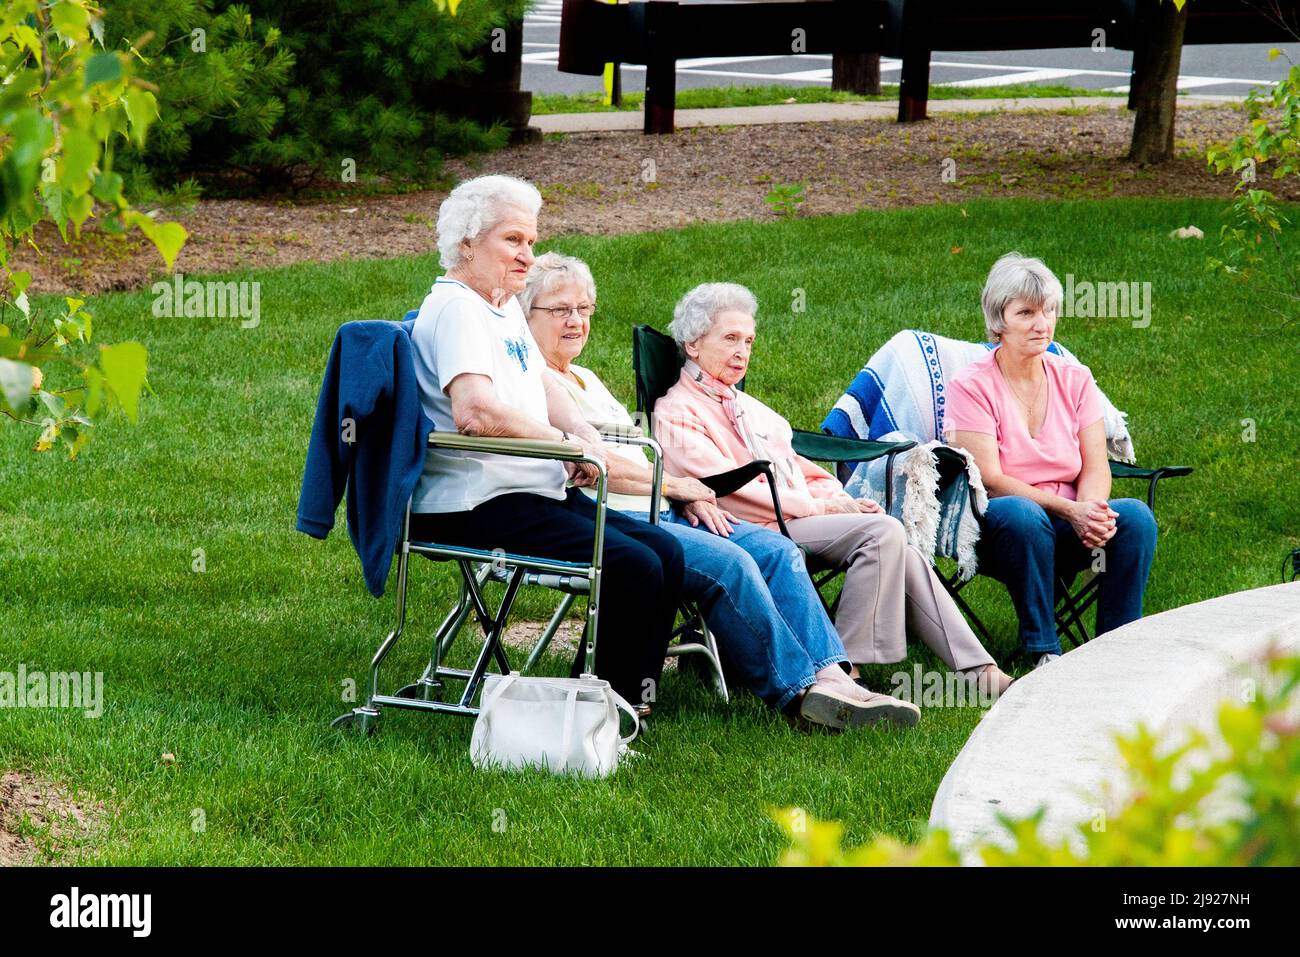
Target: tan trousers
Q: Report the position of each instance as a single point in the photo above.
(890, 592)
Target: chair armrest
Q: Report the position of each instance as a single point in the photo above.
(525, 448)
(622, 434)
(615, 430)
(823, 447)
(1124, 470)
(724, 483)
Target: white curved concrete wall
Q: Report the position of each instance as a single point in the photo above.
(1049, 741)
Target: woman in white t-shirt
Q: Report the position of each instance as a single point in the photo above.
(750, 582)
(481, 373)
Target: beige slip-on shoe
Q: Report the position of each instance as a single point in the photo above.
(834, 709)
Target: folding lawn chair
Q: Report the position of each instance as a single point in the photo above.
(477, 568)
(887, 397)
(1075, 594)
(657, 363)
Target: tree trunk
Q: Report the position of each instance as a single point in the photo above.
(1155, 86)
(856, 73)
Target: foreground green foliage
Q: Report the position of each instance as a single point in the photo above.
(1174, 815)
(66, 104)
(166, 558)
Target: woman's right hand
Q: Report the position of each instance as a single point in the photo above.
(682, 489)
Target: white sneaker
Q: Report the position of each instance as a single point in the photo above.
(1045, 659)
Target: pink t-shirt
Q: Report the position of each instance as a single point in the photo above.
(979, 400)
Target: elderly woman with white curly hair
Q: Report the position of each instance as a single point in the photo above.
(480, 372)
(708, 426)
(1033, 423)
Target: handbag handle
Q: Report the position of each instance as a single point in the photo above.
(570, 710)
(621, 703)
(505, 682)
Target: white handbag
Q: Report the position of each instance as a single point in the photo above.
(566, 725)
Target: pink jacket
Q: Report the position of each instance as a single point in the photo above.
(699, 440)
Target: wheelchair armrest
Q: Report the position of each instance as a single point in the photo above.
(524, 448)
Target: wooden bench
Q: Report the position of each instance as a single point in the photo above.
(658, 33)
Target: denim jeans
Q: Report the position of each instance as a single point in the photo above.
(757, 599)
(1024, 547)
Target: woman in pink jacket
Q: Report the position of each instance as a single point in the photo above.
(707, 426)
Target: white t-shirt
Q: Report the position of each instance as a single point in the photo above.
(457, 332)
(597, 404)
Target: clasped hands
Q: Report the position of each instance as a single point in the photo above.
(845, 504)
(1093, 521)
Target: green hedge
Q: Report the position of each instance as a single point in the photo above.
(277, 93)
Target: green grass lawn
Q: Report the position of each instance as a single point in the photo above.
(238, 670)
(708, 97)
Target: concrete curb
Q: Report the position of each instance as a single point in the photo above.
(1049, 741)
(832, 112)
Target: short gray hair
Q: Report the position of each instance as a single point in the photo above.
(549, 272)
(478, 204)
(1017, 277)
(696, 310)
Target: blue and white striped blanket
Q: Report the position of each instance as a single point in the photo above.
(901, 394)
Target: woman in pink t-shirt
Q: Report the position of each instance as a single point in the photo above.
(1033, 423)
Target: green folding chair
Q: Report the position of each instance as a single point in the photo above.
(1073, 600)
(657, 363)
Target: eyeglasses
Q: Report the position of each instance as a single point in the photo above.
(564, 312)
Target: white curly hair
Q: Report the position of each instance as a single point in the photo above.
(552, 270)
(693, 317)
(478, 204)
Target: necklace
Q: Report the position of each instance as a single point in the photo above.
(1031, 405)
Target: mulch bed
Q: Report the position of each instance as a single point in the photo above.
(596, 183)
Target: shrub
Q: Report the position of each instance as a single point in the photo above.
(287, 91)
(1168, 821)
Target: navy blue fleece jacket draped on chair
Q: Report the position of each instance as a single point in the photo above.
(369, 379)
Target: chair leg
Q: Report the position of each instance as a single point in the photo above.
(365, 717)
(953, 586)
(548, 634)
(715, 659)
(1071, 608)
(493, 630)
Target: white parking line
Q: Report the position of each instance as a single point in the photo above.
(1007, 79)
(1003, 75)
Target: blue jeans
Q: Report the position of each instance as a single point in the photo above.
(757, 599)
(1025, 548)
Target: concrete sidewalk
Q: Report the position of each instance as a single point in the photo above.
(633, 120)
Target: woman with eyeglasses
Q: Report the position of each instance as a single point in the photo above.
(750, 583)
